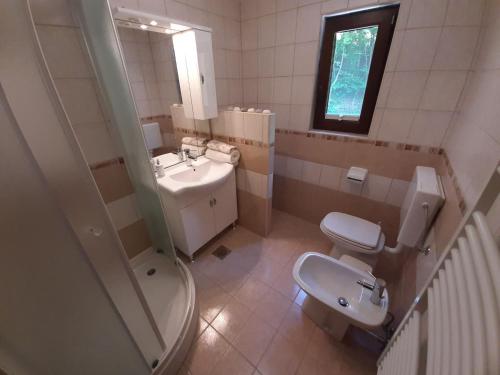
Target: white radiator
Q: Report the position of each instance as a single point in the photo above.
(402, 357)
(464, 305)
(463, 312)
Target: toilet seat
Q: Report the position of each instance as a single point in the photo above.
(353, 230)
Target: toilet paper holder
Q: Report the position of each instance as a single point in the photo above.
(357, 174)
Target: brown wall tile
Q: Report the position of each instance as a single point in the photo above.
(135, 238)
(113, 181)
(254, 213)
(255, 158)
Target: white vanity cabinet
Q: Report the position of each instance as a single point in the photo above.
(198, 222)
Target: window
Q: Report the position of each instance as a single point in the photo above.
(353, 54)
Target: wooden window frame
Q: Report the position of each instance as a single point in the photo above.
(385, 17)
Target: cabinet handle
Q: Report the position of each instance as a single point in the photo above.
(215, 201)
(211, 203)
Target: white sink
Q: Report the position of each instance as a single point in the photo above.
(327, 279)
(185, 183)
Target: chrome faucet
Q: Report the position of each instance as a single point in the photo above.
(190, 158)
(377, 290)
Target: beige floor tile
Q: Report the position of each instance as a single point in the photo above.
(212, 301)
(254, 339)
(296, 326)
(232, 363)
(286, 285)
(273, 308)
(232, 319)
(202, 325)
(206, 352)
(283, 357)
(252, 292)
(267, 270)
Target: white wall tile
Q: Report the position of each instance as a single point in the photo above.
(267, 31)
(236, 128)
(75, 93)
(293, 168)
(265, 7)
(308, 23)
(256, 183)
(333, 6)
(286, 4)
(283, 60)
(311, 172)
(268, 128)
(282, 115)
(376, 187)
(464, 12)
(443, 90)
(250, 90)
(302, 89)
(252, 123)
(397, 192)
(330, 177)
(429, 128)
(418, 49)
(250, 64)
(285, 27)
(427, 13)
(282, 90)
(265, 94)
(456, 48)
(266, 62)
(396, 124)
(249, 34)
(300, 117)
(406, 89)
(305, 59)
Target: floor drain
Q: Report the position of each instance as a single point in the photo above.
(221, 252)
(151, 272)
(343, 302)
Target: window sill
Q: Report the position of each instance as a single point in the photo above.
(364, 137)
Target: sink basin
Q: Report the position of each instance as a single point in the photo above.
(328, 279)
(185, 183)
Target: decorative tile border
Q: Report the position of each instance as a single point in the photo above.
(192, 132)
(373, 142)
(242, 141)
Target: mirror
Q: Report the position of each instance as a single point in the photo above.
(170, 68)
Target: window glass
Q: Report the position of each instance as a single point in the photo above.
(351, 61)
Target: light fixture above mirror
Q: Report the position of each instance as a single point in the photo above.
(146, 21)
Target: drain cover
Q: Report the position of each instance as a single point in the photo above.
(343, 302)
(221, 252)
(151, 272)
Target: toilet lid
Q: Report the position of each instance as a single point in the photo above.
(352, 228)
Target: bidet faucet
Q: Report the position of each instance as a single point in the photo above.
(377, 290)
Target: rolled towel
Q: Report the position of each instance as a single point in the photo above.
(221, 146)
(231, 158)
(195, 150)
(195, 141)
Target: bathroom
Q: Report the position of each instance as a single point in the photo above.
(180, 197)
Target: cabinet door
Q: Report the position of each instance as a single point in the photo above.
(225, 204)
(198, 223)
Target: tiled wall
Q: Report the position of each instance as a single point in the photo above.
(76, 84)
(223, 17)
(431, 53)
(473, 142)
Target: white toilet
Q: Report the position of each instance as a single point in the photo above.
(363, 239)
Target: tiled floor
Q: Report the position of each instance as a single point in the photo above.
(251, 319)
